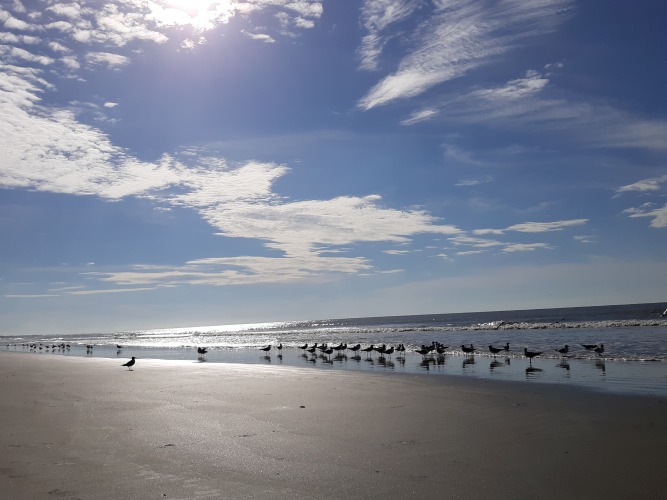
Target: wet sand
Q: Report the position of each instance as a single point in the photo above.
(88, 428)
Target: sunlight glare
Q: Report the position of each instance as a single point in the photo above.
(202, 15)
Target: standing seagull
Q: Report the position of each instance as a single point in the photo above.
(599, 350)
(563, 350)
(129, 364)
(468, 350)
(530, 354)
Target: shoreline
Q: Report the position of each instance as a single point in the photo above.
(89, 428)
(600, 375)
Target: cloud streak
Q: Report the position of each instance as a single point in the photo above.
(456, 38)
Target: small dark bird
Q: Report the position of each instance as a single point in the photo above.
(563, 350)
(424, 351)
(201, 350)
(368, 349)
(507, 347)
(304, 346)
(531, 354)
(441, 348)
(355, 348)
(589, 347)
(265, 349)
(599, 350)
(129, 364)
(468, 350)
(495, 350)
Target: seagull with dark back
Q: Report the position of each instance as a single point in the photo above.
(563, 350)
(495, 350)
(130, 363)
(531, 354)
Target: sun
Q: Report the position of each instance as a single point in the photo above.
(202, 15)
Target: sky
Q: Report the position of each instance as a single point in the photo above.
(172, 163)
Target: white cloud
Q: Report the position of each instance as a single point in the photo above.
(17, 53)
(457, 37)
(521, 104)
(420, 116)
(69, 10)
(659, 215)
(262, 37)
(543, 227)
(106, 58)
(378, 16)
(644, 185)
(526, 247)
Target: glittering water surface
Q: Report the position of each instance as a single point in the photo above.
(634, 337)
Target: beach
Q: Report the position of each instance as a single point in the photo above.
(75, 427)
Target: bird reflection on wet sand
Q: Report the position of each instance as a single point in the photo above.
(531, 371)
(495, 364)
(599, 364)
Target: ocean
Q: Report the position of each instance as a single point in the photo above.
(634, 338)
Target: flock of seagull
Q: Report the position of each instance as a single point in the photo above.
(324, 349)
(425, 350)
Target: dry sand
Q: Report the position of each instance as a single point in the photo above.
(88, 428)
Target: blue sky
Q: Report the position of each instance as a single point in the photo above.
(182, 163)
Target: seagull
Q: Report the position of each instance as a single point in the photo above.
(589, 347)
(389, 351)
(368, 349)
(468, 350)
(129, 364)
(201, 350)
(266, 349)
(507, 347)
(440, 348)
(563, 350)
(400, 349)
(530, 354)
(494, 350)
(340, 347)
(424, 351)
(599, 350)
(303, 347)
(280, 348)
(355, 348)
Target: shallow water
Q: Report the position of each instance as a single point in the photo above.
(600, 374)
(634, 338)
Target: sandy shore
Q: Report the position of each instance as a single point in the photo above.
(88, 428)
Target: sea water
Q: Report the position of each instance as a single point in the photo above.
(634, 337)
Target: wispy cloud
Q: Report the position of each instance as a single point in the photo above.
(543, 227)
(644, 185)
(522, 104)
(455, 38)
(659, 215)
(526, 247)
